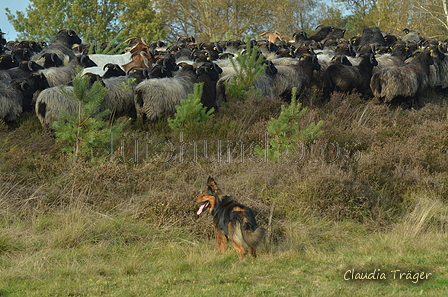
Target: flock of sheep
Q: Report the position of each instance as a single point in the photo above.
(377, 65)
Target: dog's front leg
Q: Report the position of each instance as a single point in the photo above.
(222, 241)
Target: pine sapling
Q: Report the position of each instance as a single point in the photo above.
(248, 67)
(191, 114)
(284, 132)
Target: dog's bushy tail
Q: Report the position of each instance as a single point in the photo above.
(254, 238)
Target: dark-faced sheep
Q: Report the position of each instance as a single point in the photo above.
(372, 36)
(62, 75)
(399, 52)
(8, 61)
(155, 97)
(344, 78)
(322, 33)
(51, 60)
(297, 76)
(22, 71)
(112, 70)
(61, 45)
(403, 84)
(208, 73)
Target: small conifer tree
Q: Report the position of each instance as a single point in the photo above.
(248, 67)
(85, 131)
(284, 132)
(112, 47)
(191, 114)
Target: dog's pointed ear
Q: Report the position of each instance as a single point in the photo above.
(211, 184)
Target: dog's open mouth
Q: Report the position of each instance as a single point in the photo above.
(203, 207)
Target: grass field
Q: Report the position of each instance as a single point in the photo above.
(79, 252)
(375, 207)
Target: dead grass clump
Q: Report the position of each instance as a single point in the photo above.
(235, 118)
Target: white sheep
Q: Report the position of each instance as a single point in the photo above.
(101, 60)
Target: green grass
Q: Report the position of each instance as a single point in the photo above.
(80, 252)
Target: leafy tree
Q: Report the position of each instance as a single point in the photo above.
(207, 19)
(140, 19)
(290, 16)
(429, 17)
(92, 20)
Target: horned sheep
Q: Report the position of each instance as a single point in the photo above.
(62, 75)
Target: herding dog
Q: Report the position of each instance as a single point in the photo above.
(232, 221)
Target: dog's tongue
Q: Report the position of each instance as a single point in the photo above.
(201, 209)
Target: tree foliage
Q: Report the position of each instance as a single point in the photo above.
(429, 17)
(92, 20)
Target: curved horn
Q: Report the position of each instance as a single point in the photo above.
(30, 65)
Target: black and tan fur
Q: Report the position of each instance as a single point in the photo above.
(233, 221)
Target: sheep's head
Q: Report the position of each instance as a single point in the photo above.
(68, 37)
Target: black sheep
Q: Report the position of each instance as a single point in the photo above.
(208, 73)
(61, 45)
(344, 78)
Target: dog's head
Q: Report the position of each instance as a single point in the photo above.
(208, 202)
(210, 196)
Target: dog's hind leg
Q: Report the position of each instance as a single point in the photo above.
(235, 234)
(221, 238)
(239, 249)
(253, 252)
